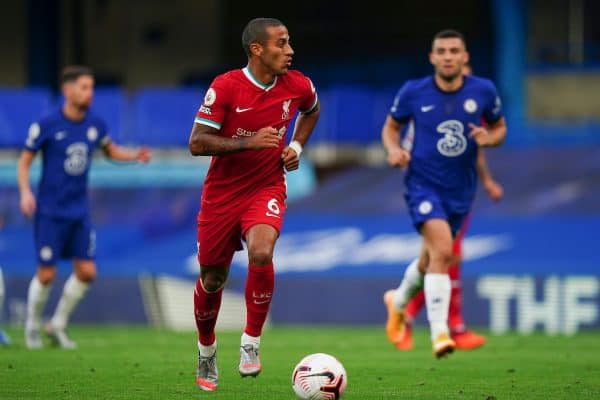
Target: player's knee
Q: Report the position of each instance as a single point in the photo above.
(86, 276)
(46, 275)
(260, 256)
(213, 281)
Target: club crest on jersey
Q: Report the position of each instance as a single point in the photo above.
(92, 133)
(454, 142)
(470, 106)
(281, 131)
(210, 97)
(425, 207)
(286, 109)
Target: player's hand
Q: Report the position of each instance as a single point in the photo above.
(291, 160)
(265, 138)
(479, 134)
(144, 155)
(494, 190)
(398, 157)
(28, 204)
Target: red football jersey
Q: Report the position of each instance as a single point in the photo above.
(239, 105)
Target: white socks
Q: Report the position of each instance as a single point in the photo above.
(207, 351)
(411, 284)
(73, 292)
(1, 293)
(437, 298)
(37, 295)
(247, 339)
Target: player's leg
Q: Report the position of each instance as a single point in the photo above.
(396, 300)
(218, 237)
(49, 238)
(464, 338)
(80, 246)
(75, 288)
(37, 296)
(207, 303)
(261, 224)
(437, 236)
(411, 311)
(4, 339)
(259, 291)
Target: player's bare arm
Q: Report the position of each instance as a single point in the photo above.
(119, 153)
(490, 136)
(494, 189)
(27, 202)
(305, 124)
(390, 137)
(205, 141)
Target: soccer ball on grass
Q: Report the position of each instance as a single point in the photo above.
(319, 377)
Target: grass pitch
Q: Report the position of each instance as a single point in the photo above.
(143, 363)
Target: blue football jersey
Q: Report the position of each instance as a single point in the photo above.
(67, 148)
(443, 155)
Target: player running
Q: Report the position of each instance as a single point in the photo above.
(242, 123)
(464, 338)
(67, 139)
(441, 178)
(4, 338)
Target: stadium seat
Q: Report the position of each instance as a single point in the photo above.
(18, 109)
(164, 117)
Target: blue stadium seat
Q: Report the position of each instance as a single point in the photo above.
(111, 104)
(164, 117)
(18, 109)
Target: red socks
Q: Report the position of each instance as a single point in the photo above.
(259, 289)
(455, 318)
(206, 310)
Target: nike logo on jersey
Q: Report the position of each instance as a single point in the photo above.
(261, 301)
(60, 135)
(268, 214)
(241, 110)
(427, 108)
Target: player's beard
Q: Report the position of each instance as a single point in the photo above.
(83, 106)
(450, 77)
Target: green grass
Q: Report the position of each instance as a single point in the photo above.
(142, 363)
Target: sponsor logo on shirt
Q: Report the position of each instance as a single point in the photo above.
(205, 110)
(244, 132)
(60, 135)
(241, 110)
(427, 108)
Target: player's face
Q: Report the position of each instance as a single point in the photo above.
(80, 92)
(276, 54)
(448, 55)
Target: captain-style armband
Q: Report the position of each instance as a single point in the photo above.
(296, 146)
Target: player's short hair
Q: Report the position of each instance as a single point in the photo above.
(449, 34)
(71, 73)
(256, 32)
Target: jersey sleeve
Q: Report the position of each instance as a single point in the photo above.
(36, 137)
(215, 104)
(493, 105)
(401, 109)
(309, 98)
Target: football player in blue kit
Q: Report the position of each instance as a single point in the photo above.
(67, 139)
(441, 178)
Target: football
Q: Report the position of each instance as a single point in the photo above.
(319, 377)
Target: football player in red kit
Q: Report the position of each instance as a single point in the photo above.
(242, 123)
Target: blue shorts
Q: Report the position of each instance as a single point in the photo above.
(425, 203)
(60, 238)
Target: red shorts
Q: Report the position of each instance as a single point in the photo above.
(220, 231)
